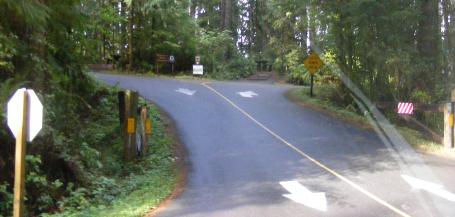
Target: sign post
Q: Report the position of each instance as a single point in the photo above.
(198, 69)
(172, 61)
(311, 86)
(312, 63)
(25, 120)
(19, 171)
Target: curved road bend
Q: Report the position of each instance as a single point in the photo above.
(254, 153)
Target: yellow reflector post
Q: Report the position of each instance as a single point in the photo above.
(148, 126)
(130, 128)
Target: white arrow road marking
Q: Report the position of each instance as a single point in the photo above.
(300, 194)
(247, 94)
(310, 158)
(186, 91)
(430, 187)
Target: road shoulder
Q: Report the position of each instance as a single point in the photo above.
(420, 144)
(337, 113)
(182, 163)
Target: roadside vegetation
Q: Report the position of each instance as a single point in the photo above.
(329, 101)
(393, 50)
(133, 189)
(75, 163)
(75, 166)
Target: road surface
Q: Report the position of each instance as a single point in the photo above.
(252, 152)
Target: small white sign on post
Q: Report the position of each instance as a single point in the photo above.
(25, 120)
(198, 70)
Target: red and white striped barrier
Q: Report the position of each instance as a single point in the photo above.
(405, 108)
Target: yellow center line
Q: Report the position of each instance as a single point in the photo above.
(326, 168)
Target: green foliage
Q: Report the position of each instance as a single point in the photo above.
(6, 196)
(77, 199)
(147, 182)
(31, 13)
(328, 99)
(421, 97)
(71, 153)
(7, 52)
(236, 68)
(90, 156)
(43, 194)
(213, 56)
(294, 63)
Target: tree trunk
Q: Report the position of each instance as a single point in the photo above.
(130, 37)
(261, 27)
(427, 35)
(226, 22)
(193, 5)
(448, 18)
(428, 40)
(124, 35)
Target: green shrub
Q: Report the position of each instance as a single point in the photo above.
(6, 196)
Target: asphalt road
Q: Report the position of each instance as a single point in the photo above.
(248, 152)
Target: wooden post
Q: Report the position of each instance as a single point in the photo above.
(448, 126)
(133, 115)
(449, 133)
(144, 130)
(19, 173)
(126, 113)
(129, 126)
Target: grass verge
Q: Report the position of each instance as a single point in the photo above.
(321, 102)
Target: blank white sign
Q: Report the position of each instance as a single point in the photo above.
(198, 69)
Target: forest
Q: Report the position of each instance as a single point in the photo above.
(393, 50)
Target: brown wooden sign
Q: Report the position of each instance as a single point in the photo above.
(162, 58)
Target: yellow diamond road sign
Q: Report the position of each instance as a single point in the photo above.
(313, 63)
